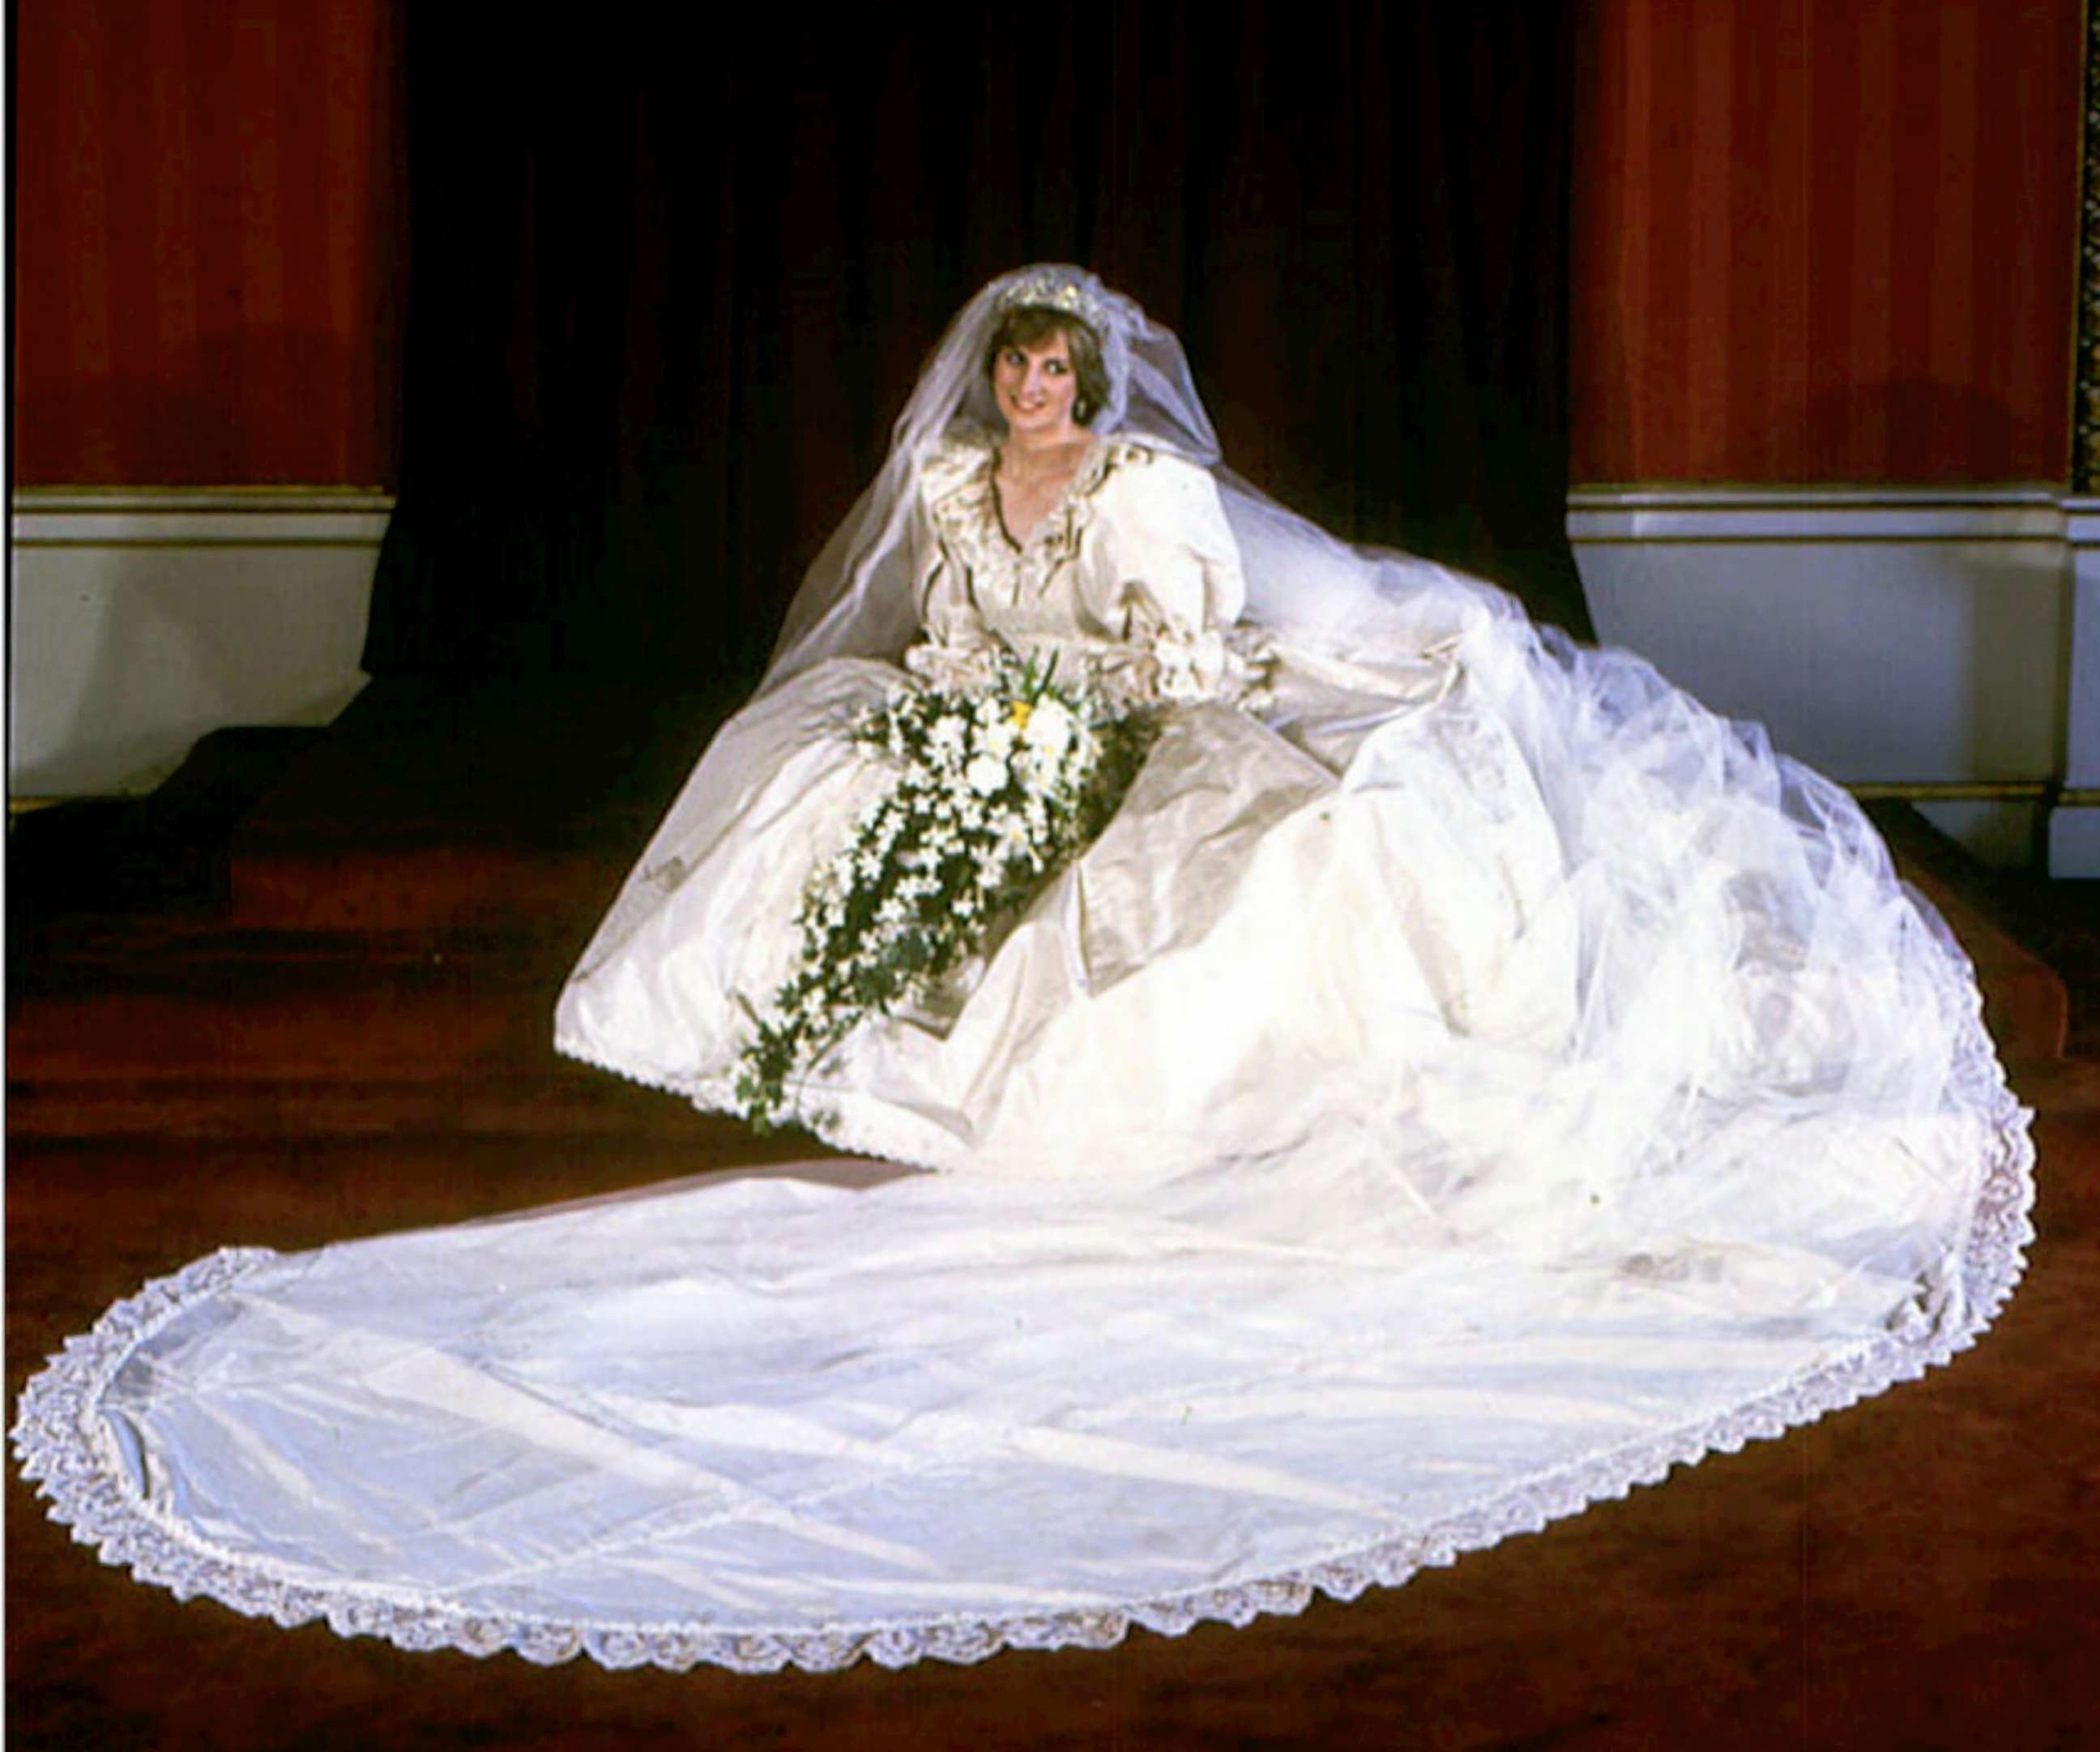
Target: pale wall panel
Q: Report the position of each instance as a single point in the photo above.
(141, 622)
(1879, 636)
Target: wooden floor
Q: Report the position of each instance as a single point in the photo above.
(315, 1035)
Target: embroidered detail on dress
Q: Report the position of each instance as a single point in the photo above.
(1157, 659)
(966, 520)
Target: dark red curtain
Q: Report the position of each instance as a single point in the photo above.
(1826, 240)
(669, 287)
(205, 228)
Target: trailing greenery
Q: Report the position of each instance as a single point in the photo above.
(998, 788)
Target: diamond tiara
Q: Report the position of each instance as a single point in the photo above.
(1060, 292)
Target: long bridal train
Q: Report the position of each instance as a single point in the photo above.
(1463, 1080)
(792, 1418)
(810, 1416)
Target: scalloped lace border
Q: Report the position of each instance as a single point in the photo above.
(59, 1439)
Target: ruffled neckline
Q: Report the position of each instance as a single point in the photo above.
(1092, 468)
(965, 507)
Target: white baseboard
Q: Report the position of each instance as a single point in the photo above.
(1916, 640)
(1940, 641)
(144, 618)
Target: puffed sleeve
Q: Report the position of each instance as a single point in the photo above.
(1162, 575)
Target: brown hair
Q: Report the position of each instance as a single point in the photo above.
(1029, 324)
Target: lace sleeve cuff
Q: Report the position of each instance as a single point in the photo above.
(941, 664)
(1166, 661)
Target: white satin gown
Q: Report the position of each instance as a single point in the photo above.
(1308, 899)
(1463, 1080)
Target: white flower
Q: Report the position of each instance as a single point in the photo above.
(1051, 728)
(949, 838)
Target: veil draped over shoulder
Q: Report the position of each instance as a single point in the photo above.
(1448, 1092)
(856, 598)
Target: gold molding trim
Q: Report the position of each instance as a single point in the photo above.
(92, 504)
(1686, 539)
(179, 543)
(1957, 791)
(1818, 496)
(228, 489)
(1683, 513)
(197, 520)
(2043, 790)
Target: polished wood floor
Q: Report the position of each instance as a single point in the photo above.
(247, 1016)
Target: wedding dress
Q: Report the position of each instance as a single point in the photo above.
(1463, 1078)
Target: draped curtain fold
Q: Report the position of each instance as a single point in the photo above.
(666, 292)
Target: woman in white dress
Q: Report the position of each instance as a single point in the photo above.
(1391, 877)
(1463, 1078)
(1331, 871)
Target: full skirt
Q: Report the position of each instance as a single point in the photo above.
(1444, 1100)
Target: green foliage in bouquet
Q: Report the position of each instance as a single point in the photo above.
(998, 788)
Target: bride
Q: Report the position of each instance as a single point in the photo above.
(1462, 1077)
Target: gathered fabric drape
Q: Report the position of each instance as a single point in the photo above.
(666, 294)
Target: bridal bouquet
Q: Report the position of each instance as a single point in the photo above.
(1000, 785)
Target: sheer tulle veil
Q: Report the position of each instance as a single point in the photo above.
(856, 598)
(1585, 718)
(1454, 1088)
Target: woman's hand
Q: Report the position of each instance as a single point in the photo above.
(1169, 662)
(952, 666)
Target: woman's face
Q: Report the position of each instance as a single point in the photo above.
(1036, 387)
